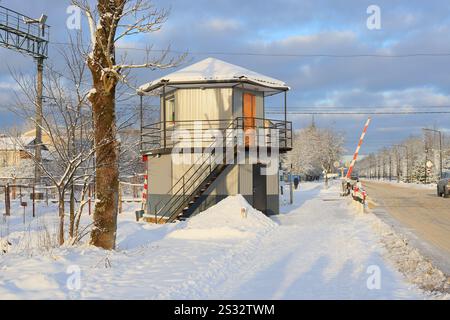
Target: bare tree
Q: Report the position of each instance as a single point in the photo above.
(408, 160)
(315, 150)
(109, 22)
(67, 126)
(305, 153)
(331, 150)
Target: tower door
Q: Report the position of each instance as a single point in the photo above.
(249, 112)
(259, 188)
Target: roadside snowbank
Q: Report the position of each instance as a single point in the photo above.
(409, 261)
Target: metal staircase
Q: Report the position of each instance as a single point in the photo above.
(185, 196)
(187, 191)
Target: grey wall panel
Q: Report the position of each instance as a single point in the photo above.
(227, 183)
(273, 184)
(159, 174)
(155, 202)
(273, 205)
(246, 179)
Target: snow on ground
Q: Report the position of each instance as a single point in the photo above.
(316, 249)
(408, 260)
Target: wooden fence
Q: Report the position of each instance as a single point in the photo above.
(24, 190)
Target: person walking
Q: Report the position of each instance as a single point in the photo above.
(296, 182)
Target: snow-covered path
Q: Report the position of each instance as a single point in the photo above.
(317, 249)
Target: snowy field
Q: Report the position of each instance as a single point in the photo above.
(319, 248)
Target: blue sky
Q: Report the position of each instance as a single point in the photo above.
(299, 27)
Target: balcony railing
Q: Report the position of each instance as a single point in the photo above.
(270, 133)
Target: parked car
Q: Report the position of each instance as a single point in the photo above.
(443, 186)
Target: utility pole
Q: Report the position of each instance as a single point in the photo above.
(23, 34)
(38, 141)
(291, 187)
(440, 149)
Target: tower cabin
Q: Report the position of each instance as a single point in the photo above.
(212, 140)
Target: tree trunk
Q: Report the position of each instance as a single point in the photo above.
(107, 172)
(72, 211)
(61, 216)
(101, 63)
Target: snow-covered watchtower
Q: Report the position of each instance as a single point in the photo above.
(202, 104)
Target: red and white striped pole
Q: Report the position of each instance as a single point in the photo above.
(145, 190)
(355, 156)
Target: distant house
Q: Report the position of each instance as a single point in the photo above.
(223, 99)
(13, 150)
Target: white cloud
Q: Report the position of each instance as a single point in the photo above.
(407, 98)
(222, 25)
(8, 86)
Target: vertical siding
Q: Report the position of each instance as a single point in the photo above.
(237, 102)
(259, 104)
(203, 104)
(169, 95)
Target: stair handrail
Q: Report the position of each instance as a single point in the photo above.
(193, 165)
(178, 199)
(183, 178)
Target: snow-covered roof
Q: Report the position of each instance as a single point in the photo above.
(9, 143)
(213, 70)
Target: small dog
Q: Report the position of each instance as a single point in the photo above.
(244, 213)
(4, 245)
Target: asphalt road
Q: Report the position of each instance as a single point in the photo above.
(421, 211)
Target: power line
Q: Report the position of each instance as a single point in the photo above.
(318, 107)
(281, 55)
(359, 112)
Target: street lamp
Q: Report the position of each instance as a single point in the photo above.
(440, 148)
